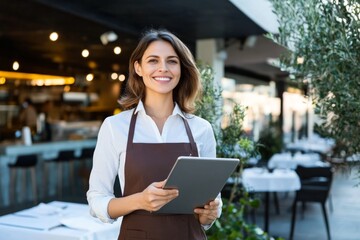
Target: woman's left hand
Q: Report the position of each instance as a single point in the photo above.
(209, 213)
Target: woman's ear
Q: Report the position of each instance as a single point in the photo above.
(137, 68)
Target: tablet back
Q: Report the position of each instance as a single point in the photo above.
(199, 180)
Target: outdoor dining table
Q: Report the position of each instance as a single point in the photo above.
(314, 144)
(291, 161)
(261, 180)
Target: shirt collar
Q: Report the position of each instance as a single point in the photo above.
(140, 107)
(176, 111)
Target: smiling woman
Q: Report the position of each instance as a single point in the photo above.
(142, 143)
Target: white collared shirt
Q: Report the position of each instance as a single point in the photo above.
(110, 152)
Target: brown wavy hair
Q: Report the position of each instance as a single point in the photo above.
(189, 86)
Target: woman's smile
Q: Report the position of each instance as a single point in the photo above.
(162, 79)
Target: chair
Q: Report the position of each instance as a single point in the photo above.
(86, 154)
(65, 157)
(23, 163)
(315, 187)
(84, 171)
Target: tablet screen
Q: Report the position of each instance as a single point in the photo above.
(199, 180)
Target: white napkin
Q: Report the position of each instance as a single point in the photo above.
(40, 210)
(82, 223)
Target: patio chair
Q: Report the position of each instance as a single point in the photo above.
(315, 187)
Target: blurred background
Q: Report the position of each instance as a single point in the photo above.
(71, 58)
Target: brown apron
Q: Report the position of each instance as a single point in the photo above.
(147, 163)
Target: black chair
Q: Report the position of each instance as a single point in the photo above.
(84, 171)
(86, 154)
(65, 157)
(24, 164)
(315, 187)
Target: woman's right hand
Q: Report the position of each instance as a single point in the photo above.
(154, 196)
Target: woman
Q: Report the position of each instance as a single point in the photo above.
(142, 143)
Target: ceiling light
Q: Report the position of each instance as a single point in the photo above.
(121, 77)
(85, 53)
(107, 37)
(114, 76)
(53, 36)
(15, 65)
(117, 50)
(89, 77)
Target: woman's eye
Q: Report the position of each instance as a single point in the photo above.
(152, 61)
(173, 61)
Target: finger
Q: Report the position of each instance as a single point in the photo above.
(210, 207)
(159, 184)
(214, 203)
(160, 202)
(213, 212)
(166, 192)
(202, 211)
(154, 195)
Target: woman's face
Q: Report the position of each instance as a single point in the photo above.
(160, 68)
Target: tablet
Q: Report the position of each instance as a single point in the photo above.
(199, 180)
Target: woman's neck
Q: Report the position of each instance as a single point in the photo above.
(159, 108)
(159, 111)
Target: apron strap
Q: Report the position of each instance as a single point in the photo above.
(191, 138)
(131, 129)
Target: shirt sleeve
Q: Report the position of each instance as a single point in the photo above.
(207, 142)
(103, 174)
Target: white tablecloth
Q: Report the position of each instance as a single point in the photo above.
(56, 221)
(286, 160)
(314, 144)
(280, 180)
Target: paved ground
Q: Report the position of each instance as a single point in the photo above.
(344, 219)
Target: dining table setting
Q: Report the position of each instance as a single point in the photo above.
(279, 175)
(288, 160)
(315, 144)
(264, 180)
(56, 220)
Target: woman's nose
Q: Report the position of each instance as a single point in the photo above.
(163, 66)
